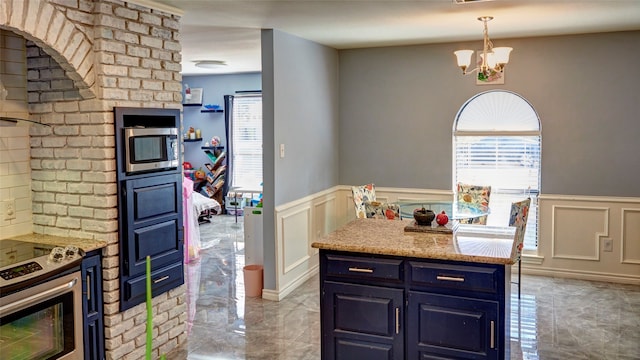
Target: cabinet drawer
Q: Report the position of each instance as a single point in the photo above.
(463, 277)
(162, 280)
(364, 268)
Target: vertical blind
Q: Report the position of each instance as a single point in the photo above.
(247, 142)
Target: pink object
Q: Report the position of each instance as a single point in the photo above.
(253, 280)
(190, 222)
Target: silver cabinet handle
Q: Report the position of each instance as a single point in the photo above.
(161, 279)
(360, 270)
(493, 337)
(450, 278)
(88, 287)
(397, 320)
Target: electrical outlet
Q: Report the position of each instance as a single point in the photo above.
(9, 209)
(607, 245)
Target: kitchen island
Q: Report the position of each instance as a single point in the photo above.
(390, 294)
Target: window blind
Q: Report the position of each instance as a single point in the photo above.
(510, 164)
(247, 143)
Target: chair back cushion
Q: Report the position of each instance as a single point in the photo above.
(382, 210)
(518, 218)
(362, 194)
(475, 195)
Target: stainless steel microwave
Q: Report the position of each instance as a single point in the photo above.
(150, 149)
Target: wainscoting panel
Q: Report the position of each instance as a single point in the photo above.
(324, 218)
(295, 238)
(298, 224)
(630, 249)
(578, 230)
(572, 234)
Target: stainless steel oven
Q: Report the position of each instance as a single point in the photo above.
(40, 303)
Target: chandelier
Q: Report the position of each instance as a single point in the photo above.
(493, 59)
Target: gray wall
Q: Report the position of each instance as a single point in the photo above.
(398, 104)
(305, 117)
(215, 87)
(300, 105)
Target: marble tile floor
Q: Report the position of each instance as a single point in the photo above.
(556, 318)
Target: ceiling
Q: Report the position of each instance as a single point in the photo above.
(229, 30)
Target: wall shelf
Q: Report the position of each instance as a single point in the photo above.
(192, 140)
(212, 147)
(195, 104)
(211, 111)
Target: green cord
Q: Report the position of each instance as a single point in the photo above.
(149, 312)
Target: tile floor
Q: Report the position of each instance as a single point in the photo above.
(555, 318)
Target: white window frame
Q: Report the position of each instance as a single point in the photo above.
(492, 123)
(246, 143)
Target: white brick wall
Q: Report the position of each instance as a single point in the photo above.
(15, 154)
(87, 57)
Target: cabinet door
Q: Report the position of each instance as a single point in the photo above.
(154, 222)
(451, 327)
(361, 322)
(92, 308)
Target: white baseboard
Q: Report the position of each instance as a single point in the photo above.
(582, 275)
(274, 295)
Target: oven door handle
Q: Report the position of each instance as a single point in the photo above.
(34, 299)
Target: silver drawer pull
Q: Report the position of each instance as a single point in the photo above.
(450, 278)
(355, 269)
(88, 288)
(397, 320)
(160, 280)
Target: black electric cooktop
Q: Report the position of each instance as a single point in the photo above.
(23, 264)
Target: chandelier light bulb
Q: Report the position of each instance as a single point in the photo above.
(491, 59)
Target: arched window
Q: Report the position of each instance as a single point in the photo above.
(496, 142)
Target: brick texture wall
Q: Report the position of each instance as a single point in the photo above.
(15, 173)
(83, 58)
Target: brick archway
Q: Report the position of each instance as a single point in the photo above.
(49, 28)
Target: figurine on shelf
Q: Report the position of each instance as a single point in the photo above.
(215, 141)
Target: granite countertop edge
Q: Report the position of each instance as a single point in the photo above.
(414, 254)
(86, 245)
(386, 237)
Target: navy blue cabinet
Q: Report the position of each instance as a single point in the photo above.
(365, 322)
(92, 307)
(452, 327)
(149, 210)
(386, 307)
(151, 225)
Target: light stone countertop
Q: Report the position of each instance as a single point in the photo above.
(472, 243)
(85, 244)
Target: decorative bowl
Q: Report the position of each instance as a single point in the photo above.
(423, 216)
(212, 106)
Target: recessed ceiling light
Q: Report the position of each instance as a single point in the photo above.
(210, 64)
